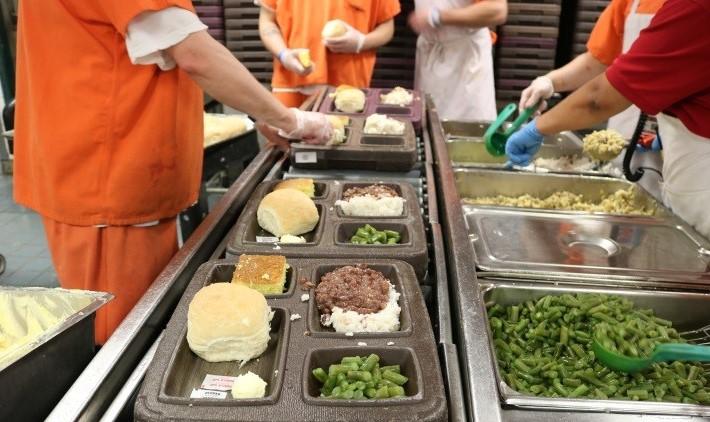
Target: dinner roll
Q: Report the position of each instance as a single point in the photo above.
(227, 322)
(287, 211)
(333, 29)
(349, 100)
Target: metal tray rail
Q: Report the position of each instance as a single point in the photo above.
(361, 151)
(291, 393)
(689, 312)
(331, 238)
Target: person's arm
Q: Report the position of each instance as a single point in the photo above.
(576, 73)
(225, 79)
(593, 103)
(476, 15)
(567, 78)
(269, 32)
(381, 35)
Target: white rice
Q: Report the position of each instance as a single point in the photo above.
(371, 206)
(384, 321)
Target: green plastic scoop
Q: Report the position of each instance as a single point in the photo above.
(664, 352)
(496, 138)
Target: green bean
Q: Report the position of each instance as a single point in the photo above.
(359, 375)
(393, 368)
(571, 382)
(370, 363)
(348, 360)
(320, 375)
(579, 391)
(394, 377)
(395, 391)
(337, 369)
(382, 393)
(370, 393)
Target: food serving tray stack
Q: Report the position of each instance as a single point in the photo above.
(294, 350)
(331, 236)
(360, 151)
(373, 104)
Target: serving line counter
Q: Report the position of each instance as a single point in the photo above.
(107, 389)
(508, 256)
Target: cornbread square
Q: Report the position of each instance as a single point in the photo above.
(263, 273)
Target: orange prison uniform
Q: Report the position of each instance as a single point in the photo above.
(100, 141)
(607, 38)
(301, 23)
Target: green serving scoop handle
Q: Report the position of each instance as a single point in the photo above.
(496, 138)
(664, 352)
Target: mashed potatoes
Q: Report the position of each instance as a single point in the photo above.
(379, 124)
(398, 96)
(349, 99)
(620, 202)
(248, 386)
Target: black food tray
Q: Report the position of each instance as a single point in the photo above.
(295, 349)
(361, 151)
(331, 237)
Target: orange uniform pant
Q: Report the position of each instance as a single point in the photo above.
(290, 99)
(122, 260)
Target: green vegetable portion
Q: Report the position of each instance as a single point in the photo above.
(356, 378)
(368, 235)
(544, 348)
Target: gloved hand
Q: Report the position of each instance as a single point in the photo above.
(350, 42)
(652, 143)
(539, 90)
(289, 58)
(311, 127)
(424, 20)
(523, 144)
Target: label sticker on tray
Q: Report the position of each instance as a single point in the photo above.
(218, 382)
(267, 239)
(306, 157)
(198, 393)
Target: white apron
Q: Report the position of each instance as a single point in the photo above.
(685, 173)
(625, 122)
(455, 66)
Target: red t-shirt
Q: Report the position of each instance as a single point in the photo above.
(667, 68)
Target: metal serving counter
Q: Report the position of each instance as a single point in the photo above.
(475, 236)
(107, 387)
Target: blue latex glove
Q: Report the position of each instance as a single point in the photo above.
(523, 144)
(656, 145)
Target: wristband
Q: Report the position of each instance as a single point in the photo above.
(434, 17)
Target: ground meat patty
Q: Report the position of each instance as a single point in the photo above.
(353, 288)
(378, 191)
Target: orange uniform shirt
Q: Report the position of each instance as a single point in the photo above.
(98, 139)
(607, 38)
(301, 23)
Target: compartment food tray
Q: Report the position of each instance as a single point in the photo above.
(361, 151)
(297, 347)
(331, 237)
(688, 312)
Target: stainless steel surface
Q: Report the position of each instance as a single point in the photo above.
(505, 240)
(688, 312)
(92, 392)
(472, 183)
(124, 399)
(482, 398)
(474, 130)
(98, 299)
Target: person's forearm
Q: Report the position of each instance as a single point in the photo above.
(270, 33)
(576, 73)
(591, 104)
(225, 79)
(381, 35)
(477, 15)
